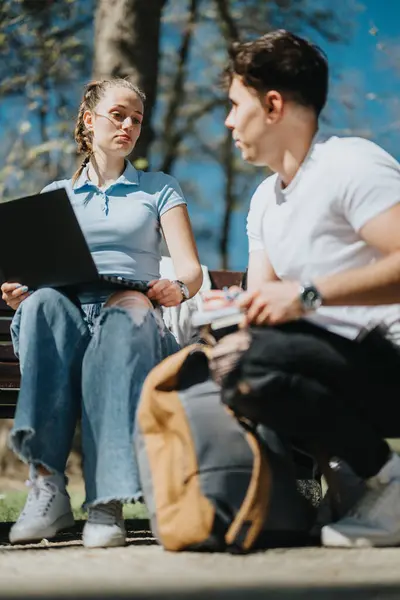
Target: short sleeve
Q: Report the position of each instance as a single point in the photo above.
(55, 185)
(170, 194)
(50, 187)
(372, 184)
(255, 219)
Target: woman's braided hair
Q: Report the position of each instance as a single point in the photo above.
(94, 91)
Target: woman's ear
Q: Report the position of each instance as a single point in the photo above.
(88, 120)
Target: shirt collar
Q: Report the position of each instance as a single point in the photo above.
(285, 192)
(128, 177)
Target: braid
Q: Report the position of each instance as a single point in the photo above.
(94, 91)
(82, 135)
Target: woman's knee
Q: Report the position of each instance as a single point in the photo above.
(136, 304)
(43, 298)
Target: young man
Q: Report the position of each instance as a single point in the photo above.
(323, 295)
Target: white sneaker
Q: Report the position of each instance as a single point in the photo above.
(47, 511)
(105, 526)
(375, 520)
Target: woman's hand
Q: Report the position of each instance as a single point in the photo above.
(165, 292)
(14, 293)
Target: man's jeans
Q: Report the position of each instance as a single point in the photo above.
(67, 371)
(331, 394)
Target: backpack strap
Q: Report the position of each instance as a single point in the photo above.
(249, 520)
(184, 516)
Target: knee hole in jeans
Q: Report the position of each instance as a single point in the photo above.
(136, 304)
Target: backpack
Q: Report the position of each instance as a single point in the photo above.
(211, 481)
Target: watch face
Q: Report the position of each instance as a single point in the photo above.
(311, 298)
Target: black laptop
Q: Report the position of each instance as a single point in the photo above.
(42, 245)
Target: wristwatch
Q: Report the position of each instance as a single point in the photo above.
(184, 290)
(310, 297)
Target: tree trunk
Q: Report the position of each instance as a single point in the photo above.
(127, 41)
(229, 199)
(227, 23)
(230, 32)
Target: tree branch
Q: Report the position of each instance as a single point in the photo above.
(72, 29)
(227, 24)
(177, 94)
(178, 135)
(231, 34)
(229, 197)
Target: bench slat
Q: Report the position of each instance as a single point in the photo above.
(9, 375)
(8, 400)
(8, 395)
(7, 353)
(4, 329)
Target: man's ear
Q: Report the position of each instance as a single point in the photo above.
(273, 103)
(88, 120)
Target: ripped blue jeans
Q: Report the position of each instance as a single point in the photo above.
(68, 369)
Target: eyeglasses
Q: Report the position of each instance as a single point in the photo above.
(118, 119)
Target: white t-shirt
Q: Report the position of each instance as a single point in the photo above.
(310, 228)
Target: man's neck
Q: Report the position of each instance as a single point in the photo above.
(104, 170)
(293, 150)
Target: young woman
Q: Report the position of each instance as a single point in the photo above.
(91, 359)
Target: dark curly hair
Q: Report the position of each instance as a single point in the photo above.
(282, 61)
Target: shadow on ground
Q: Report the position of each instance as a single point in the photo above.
(168, 583)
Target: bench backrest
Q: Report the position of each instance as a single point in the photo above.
(9, 366)
(6, 314)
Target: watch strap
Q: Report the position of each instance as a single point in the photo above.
(184, 290)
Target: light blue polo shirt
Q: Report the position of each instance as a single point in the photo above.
(121, 223)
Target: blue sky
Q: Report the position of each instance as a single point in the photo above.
(361, 51)
(366, 60)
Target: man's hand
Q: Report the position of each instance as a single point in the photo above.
(13, 294)
(165, 292)
(275, 302)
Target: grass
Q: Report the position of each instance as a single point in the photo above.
(11, 504)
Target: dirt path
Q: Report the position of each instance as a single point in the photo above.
(144, 570)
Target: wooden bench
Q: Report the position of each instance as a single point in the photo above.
(9, 366)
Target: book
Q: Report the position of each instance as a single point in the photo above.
(218, 310)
